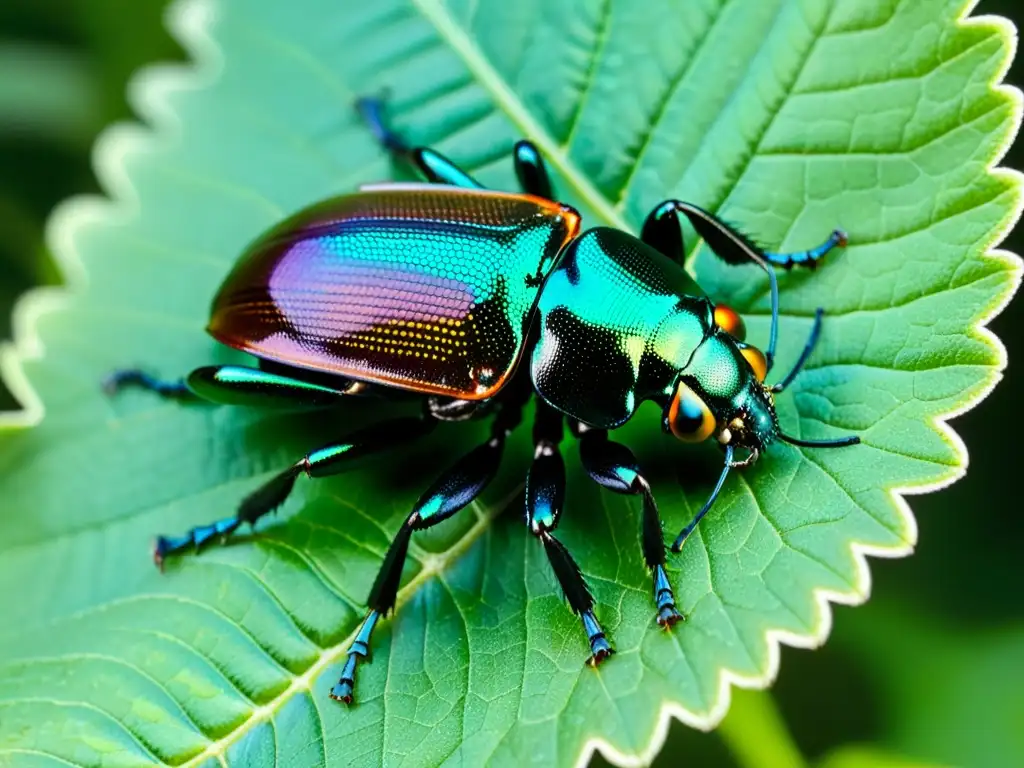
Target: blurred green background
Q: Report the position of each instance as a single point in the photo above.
(929, 672)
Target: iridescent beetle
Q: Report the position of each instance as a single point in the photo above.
(478, 300)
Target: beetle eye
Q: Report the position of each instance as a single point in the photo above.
(689, 417)
(755, 358)
(729, 320)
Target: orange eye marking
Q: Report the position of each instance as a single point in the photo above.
(689, 417)
(729, 320)
(755, 358)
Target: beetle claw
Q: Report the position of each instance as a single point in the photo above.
(344, 689)
(601, 652)
(161, 547)
(668, 616)
(343, 692)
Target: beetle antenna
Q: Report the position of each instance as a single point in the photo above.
(733, 247)
(839, 442)
(677, 545)
(812, 339)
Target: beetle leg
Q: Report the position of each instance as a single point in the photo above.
(133, 377)
(531, 170)
(809, 258)
(434, 166)
(661, 230)
(451, 492)
(449, 409)
(371, 109)
(239, 385)
(440, 170)
(615, 467)
(534, 180)
(328, 460)
(545, 493)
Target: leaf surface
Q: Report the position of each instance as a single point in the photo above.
(788, 117)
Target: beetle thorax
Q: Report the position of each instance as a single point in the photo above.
(618, 321)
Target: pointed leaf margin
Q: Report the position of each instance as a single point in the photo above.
(190, 22)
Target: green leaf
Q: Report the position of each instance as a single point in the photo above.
(789, 117)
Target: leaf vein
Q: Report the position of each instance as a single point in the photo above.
(663, 104)
(138, 740)
(603, 33)
(512, 106)
(87, 656)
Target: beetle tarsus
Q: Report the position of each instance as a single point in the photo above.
(134, 377)
(665, 600)
(196, 538)
(810, 257)
(344, 689)
(371, 108)
(668, 617)
(599, 647)
(159, 552)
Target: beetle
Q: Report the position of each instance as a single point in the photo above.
(477, 302)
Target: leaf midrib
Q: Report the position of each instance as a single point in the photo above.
(306, 681)
(557, 156)
(509, 103)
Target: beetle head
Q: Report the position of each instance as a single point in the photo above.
(721, 394)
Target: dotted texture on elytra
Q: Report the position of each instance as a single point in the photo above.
(426, 289)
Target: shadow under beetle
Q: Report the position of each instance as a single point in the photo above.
(443, 289)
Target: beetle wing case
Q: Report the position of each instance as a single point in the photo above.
(425, 288)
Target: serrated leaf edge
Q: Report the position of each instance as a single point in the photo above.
(190, 22)
(897, 494)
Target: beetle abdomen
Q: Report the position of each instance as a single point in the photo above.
(427, 288)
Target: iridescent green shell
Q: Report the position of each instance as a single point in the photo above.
(421, 287)
(618, 322)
